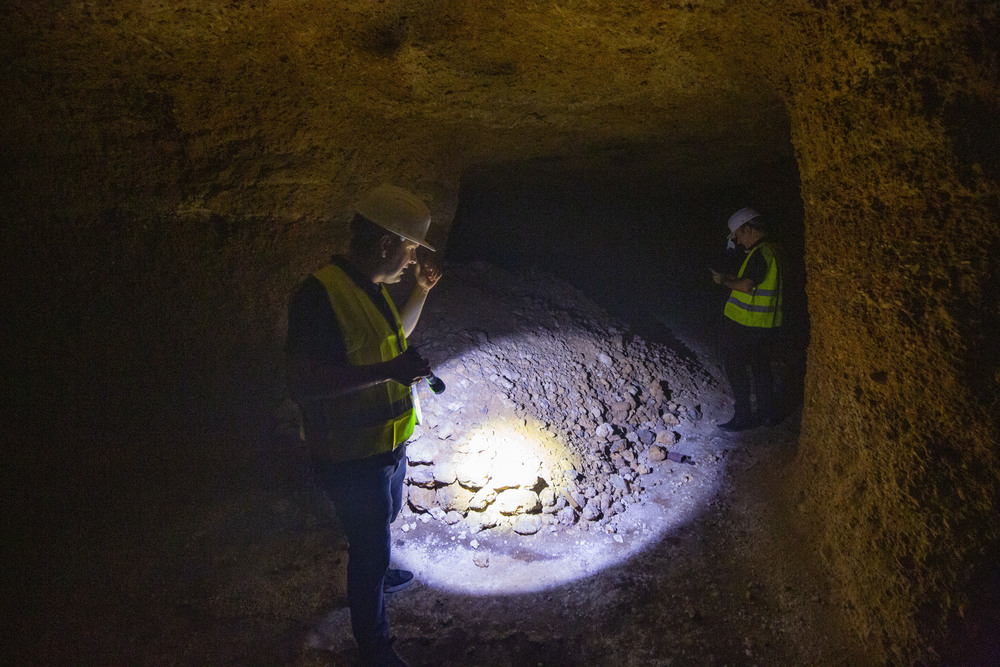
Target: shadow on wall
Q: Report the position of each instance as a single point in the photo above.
(636, 239)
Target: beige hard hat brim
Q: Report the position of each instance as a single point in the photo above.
(419, 242)
(398, 211)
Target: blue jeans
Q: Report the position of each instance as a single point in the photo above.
(368, 496)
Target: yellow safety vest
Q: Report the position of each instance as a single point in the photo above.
(378, 418)
(762, 306)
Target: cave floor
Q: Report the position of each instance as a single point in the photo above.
(726, 588)
(224, 558)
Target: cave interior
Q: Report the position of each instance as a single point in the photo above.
(174, 169)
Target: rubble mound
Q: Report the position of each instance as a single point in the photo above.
(554, 411)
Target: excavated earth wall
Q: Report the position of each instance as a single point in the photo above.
(172, 170)
(899, 184)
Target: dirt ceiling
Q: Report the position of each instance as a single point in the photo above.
(288, 109)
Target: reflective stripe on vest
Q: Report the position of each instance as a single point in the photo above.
(378, 418)
(762, 306)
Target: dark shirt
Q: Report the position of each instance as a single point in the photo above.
(313, 330)
(756, 269)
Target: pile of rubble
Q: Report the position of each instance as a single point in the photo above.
(554, 412)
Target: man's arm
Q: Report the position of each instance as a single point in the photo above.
(313, 379)
(753, 275)
(744, 285)
(427, 276)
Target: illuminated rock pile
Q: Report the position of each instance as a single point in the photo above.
(554, 411)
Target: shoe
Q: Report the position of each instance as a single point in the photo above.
(737, 424)
(396, 580)
(382, 655)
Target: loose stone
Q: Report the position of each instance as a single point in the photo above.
(657, 454)
(421, 451)
(517, 501)
(422, 499)
(421, 476)
(528, 524)
(666, 437)
(566, 516)
(444, 473)
(482, 499)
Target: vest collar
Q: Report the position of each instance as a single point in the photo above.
(360, 279)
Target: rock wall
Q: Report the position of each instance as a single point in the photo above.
(891, 117)
(172, 169)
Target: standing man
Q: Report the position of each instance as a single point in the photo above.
(751, 318)
(351, 373)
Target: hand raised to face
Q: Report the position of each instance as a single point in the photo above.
(427, 273)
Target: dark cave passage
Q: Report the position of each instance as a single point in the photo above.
(637, 238)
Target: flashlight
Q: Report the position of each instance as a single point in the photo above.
(435, 383)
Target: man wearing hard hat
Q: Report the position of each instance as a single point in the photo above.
(351, 371)
(751, 317)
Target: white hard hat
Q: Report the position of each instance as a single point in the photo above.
(740, 218)
(397, 210)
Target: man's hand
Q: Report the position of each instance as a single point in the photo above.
(408, 367)
(427, 274)
(744, 285)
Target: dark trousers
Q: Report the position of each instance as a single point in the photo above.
(747, 353)
(368, 496)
